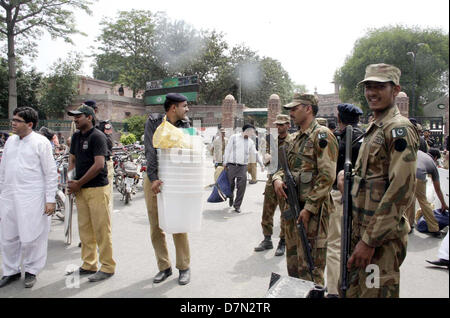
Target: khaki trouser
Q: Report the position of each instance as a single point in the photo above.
(110, 166)
(251, 168)
(334, 244)
(217, 172)
(427, 210)
(94, 225)
(158, 237)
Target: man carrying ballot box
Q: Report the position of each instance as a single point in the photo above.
(176, 108)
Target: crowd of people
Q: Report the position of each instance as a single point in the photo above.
(389, 174)
(392, 158)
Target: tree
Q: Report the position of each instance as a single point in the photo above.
(29, 84)
(253, 79)
(136, 125)
(139, 46)
(24, 21)
(60, 86)
(126, 50)
(390, 45)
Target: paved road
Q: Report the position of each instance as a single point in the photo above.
(223, 262)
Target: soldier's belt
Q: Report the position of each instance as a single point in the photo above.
(368, 183)
(363, 211)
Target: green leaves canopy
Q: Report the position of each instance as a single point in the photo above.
(390, 45)
(139, 46)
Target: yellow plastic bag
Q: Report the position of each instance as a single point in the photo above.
(168, 136)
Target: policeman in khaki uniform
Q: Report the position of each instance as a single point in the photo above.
(312, 154)
(270, 199)
(382, 189)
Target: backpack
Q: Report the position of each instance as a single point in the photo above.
(441, 217)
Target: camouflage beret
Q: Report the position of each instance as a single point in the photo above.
(282, 119)
(306, 99)
(382, 73)
(322, 121)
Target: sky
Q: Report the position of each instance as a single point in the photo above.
(311, 39)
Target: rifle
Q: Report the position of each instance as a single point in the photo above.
(346, 233)
(295, 208)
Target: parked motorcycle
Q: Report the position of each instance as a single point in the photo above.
(62, 164)
(126, 175)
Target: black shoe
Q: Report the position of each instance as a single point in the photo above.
(6, 280)
(252, 182)
(237, 210)
(162, 275)
(281, 248)
(81, 271)
(185, 277)
(30, 280)
(411, 231)
(437, 234)
(266, 244)
(231, 201)
(332, 296)
(440, 262)
(99, 276)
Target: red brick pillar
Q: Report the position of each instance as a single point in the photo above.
(402, 102)
(228, 107)
(273, 109)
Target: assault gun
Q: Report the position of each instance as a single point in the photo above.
(346, 232)
(295, 208)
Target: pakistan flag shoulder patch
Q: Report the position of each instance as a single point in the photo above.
(399, 132)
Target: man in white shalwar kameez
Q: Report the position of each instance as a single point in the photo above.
(28, 184)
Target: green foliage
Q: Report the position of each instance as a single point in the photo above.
(390, 45)
(23, 22)
(29, 84)
(139, 46)
(61, 85)
(136, 125)
(125, 49)
(127, 139)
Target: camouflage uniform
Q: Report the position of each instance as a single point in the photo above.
(382, 189)
(312, 156)
(271, 201)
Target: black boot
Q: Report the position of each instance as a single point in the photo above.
(266, 244)
(281, 248)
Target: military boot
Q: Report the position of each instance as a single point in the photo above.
(281, 247)
(266, 244)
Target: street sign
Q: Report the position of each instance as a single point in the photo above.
(156, 90)
(172, 82)
(159, 99)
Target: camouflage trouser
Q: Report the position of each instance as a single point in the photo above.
(270, 205)
(296, 262)
(365, 283)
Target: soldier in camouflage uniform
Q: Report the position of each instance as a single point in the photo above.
(312, 154)
(382, 189)
(270, 199)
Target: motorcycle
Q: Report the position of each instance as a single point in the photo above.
(64, 202)
(62, 165)
(126, 175)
